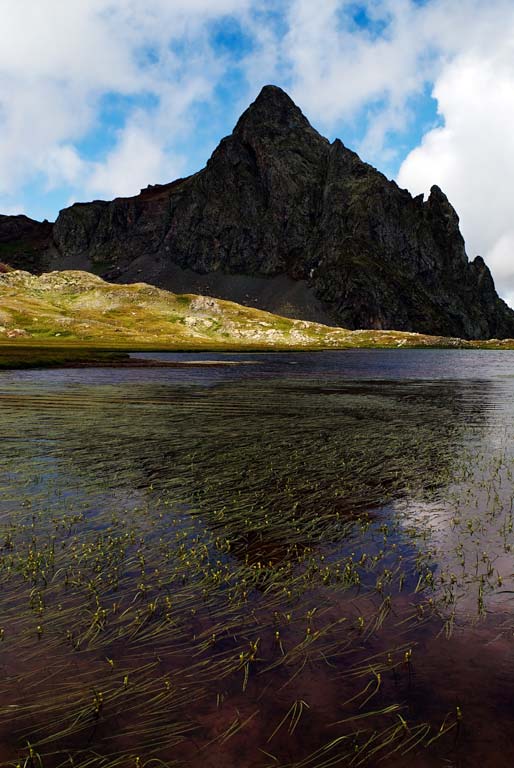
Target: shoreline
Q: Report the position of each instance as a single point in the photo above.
(32, 357)
(139, 363)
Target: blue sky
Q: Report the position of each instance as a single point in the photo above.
(101, 98)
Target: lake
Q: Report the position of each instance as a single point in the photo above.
(303, 560)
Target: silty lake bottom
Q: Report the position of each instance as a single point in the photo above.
(302, 561)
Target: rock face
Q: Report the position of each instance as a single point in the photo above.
(25, 243)
(284, 220)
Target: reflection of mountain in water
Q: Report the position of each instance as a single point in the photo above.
(294, 456)
(282, 455)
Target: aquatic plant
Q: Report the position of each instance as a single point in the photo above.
(241, 574)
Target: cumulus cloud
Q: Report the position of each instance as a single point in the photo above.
(58, 60)
(12, 210)
(128, 168)
(340, 56)
(338, 66)
(344, 61)
(472, 155)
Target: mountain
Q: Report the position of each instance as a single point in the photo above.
(283, 220)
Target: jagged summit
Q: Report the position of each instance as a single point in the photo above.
(272, 109)
(283, 220)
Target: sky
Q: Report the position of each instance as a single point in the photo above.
(100, 98)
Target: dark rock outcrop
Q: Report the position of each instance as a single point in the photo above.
(282, 219)
(25, 243)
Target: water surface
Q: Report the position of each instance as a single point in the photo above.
(302, 561)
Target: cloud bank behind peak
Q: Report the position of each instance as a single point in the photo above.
(102, 98)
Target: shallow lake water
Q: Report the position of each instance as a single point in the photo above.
(306, 560)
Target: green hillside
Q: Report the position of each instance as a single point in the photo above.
(79, 310)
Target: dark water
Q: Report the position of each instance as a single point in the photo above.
(305, 560)
(427, 364)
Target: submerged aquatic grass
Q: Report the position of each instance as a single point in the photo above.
(255, 573)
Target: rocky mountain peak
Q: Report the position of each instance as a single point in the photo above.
(283, 220)
(272, 111)
(437, 199)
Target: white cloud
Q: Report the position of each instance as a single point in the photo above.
(472, 156)
(62, 165)
(58, 60)
(337, 68)
(11, 209)
(128, 168)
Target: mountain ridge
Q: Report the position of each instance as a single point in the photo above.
(284, 220)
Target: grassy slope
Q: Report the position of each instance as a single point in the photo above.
(62, 315)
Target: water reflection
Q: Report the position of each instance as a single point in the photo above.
(286, 450)
(264, 565)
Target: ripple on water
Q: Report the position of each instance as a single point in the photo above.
(304, 562)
